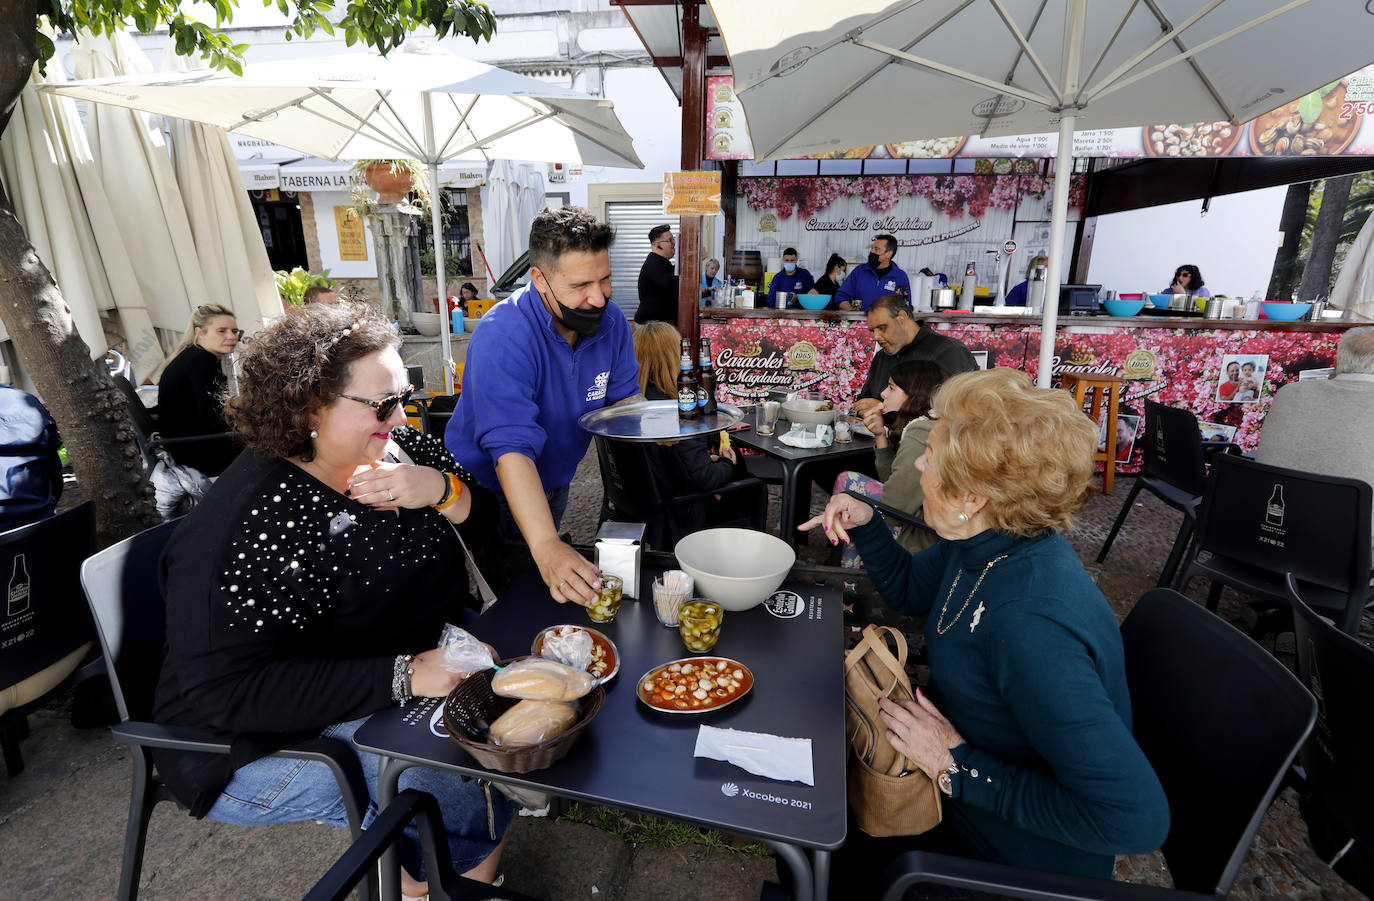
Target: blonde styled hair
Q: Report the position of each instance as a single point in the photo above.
(658, 348)
(1028, 450)
(200, 319)
(1039, 259)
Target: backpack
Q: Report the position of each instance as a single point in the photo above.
(30, 471)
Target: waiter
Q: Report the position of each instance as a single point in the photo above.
(657, 281)
(871, 280)
(792, 278)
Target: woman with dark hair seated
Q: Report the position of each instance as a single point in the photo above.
(299, 589)
(906, 401)
(691, 465)
(1025, 722)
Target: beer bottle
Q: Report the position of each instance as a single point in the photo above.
(706, 387)
(687, 408)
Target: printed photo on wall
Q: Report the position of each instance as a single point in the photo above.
(1242, 378)
(1217, 431)
(1126, 427)
(981, 358)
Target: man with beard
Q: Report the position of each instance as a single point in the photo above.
(543, 357)
(901, 337)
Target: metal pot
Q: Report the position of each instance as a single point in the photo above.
(943, 299)
(1213, 308)
(784, 299)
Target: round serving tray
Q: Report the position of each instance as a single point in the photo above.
(655, 420)
(537, 646)
(733, 664)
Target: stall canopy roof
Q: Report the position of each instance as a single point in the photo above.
(1143, 183)
(659, 26)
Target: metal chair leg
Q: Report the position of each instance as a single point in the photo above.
(1185, 535)
(1120, 518)
(141, 803)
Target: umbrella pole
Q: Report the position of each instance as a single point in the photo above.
(437, 229)
(1059, 214)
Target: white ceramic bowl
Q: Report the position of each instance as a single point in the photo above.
(736, 568)
(426, 324)
(802, 408)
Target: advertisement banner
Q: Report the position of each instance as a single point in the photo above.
(691, 193)
(352, 236)
(1337, 119)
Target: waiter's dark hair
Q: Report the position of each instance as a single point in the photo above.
(656, 231)
(566, 229)
(891, 242)
(790, 252)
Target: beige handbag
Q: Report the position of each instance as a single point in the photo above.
(888, 794)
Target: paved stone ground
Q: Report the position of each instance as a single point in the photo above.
(62, 820)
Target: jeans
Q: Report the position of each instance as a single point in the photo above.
(558, 505)
(281, 790)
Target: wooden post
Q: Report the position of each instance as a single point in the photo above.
(729, 194)
(693, 134)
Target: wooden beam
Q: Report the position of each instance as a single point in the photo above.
(676, 62)
(693, 138)
(729, 194)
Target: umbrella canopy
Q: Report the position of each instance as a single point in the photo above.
(816, 76)
(513, 195)
(418, 102)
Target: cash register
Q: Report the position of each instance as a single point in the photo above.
(1079, 300)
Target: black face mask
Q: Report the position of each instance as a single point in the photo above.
(583, 322)
(873, 260)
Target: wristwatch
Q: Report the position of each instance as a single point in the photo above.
(946, 779)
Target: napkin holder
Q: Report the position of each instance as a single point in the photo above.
(620, 552)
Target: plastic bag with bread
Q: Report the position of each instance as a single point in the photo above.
(538, 679)
(530, 722)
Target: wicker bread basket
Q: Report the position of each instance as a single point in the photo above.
(473, 699)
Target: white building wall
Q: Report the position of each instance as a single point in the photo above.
(1233, 245)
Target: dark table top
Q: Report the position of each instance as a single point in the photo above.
(635, 758)
(770, 444)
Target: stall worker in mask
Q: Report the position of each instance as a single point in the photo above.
(876, 278)
(792, 278)
(553, 351)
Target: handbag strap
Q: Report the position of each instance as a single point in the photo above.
(888, 669)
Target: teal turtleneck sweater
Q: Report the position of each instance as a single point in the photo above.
(1031, 673)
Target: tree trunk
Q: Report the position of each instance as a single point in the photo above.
(91, 412)
(1291, 223)
(1326, 234)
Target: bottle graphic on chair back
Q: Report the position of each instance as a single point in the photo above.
(706, 380)
(18, 598)
(1273, 511)
(687, 385)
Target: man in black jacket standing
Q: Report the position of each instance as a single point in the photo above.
(657, 281)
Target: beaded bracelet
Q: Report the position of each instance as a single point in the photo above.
(400, 679)
(453, 489)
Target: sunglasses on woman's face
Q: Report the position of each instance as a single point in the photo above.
(386, 405)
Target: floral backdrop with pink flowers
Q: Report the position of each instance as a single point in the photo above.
(939, 221)
(1178, 367)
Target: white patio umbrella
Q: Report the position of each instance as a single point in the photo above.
(418, 102)
(816, 76)
(512, 196)
(1354, 289)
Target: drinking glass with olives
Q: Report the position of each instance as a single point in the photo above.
(699, 623)
(607, 603)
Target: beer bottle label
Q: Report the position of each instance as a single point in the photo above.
(686, 399)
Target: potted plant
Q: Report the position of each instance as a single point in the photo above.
(392, 181)
(291, 285)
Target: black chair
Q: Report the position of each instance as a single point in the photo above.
(1219, 719)
(121, 584)
(439, 411)
(1258, 522)
(1175, 471)
(1337, 793)
(362, 856)
(146, 435)
(636, 490)
(47, 630)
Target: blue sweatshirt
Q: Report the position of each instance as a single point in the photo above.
(524, 387)
(1032, 673)
(798, 282)
(864, 285)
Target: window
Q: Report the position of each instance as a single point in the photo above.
(453, 209)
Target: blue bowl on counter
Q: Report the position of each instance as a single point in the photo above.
(1124, 308)
(1159, 300)
(1286, 312)
(814, 301)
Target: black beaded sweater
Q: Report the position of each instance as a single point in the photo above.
(287, 604)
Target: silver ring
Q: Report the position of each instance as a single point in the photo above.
(390, 496)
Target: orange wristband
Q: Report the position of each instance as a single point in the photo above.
(451, 494)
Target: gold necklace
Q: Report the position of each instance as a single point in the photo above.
(940, 626)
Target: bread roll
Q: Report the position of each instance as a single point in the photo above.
(531, 722)
(537, 679)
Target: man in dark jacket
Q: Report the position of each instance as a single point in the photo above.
(900, 338)
(657, 281)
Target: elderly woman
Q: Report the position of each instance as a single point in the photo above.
(1026, 721)
(710, 280)
(299, 589)
(191, 390)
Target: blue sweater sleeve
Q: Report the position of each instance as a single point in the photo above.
(907, 582)
(848, 288)
(1100, 792)
(502, 378)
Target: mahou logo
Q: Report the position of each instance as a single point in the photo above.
(729, 789)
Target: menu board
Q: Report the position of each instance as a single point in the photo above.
(691, 193)
(1337, 119)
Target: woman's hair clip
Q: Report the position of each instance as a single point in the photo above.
(342, 335)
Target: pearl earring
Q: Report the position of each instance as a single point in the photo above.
(315, 434)
(963, 517)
